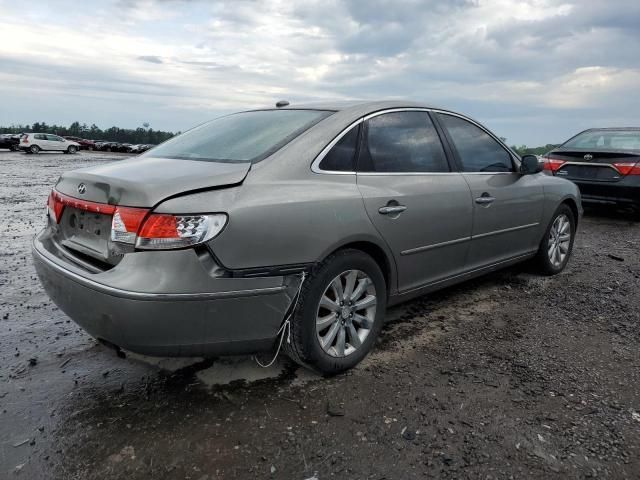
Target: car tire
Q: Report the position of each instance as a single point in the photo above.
(34, 149)
(14, 148)
(555, 249)
(313, 323)
(72, 149)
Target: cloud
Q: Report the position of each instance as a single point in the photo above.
(522, 67)
(150, 59)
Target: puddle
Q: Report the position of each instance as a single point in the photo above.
(230, 369)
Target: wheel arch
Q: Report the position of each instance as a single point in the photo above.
(573, 205)
(375, 250)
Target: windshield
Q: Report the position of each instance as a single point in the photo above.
(606, 140)
(240, 137)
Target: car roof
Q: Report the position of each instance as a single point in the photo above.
(612, 129)
(361, 105)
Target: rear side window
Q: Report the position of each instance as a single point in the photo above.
(478, 151)
(342, 157)
(40, 136)
(402, 142)
(241, 137)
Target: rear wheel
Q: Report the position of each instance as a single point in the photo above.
(34, 149)
(340, 313)
(557, 243)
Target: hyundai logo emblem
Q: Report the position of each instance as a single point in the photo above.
(588, 157)
(82, 188)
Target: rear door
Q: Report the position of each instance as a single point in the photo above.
(507, 205)
(418, 204)
(40, 139)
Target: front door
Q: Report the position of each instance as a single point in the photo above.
(507, 205)
(420, 206)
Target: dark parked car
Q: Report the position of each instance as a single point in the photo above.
(10, 141)
(603, 162)
(106, 146)
(84, 143)
(301, 223)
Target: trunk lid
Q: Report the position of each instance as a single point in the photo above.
(592, 165)
(83, 233)
(145, 182)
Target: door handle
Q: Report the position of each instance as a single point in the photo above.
(485, 199)
(389, 210)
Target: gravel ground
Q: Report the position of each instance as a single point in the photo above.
(508, 376)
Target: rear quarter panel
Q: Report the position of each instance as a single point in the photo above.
(284, 222)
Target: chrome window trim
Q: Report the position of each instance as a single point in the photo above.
(315, 165)
(403, 174)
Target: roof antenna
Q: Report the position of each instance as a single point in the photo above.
(282, 103)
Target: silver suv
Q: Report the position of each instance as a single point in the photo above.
(302, 223)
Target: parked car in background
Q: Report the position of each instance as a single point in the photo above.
(205, 244)
(84, 143)
(106, 146)
(10, 141)
(37, 142)
(603, 162)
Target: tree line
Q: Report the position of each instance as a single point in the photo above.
(93, 132)
(524, 150)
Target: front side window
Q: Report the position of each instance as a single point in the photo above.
(54, 138)
(342, 156)
(478, 151)
(402, 142)
(40, 136)
(240, 137)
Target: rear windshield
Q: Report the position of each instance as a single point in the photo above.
(240, 137)
(606, 140)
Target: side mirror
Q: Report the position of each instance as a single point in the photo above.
(530, 165)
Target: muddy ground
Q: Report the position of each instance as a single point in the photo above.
(508, 376)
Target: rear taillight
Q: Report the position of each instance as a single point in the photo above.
(57, 201)
(553, 164)
(126, 223)
(628, 168)
(25, 139)
(154, 231)
(55, 206)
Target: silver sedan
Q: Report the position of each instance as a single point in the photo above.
(294, 226)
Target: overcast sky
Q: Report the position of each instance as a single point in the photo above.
(533, 71)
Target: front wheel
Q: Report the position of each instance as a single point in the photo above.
(72, 149)
(34, 149)
(340, 313)
(557, 244)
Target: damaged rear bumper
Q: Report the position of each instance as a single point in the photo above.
(166, 303)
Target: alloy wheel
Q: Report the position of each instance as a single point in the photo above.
(559, 240)
(346, 313)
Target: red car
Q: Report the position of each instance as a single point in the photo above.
(84, 144)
